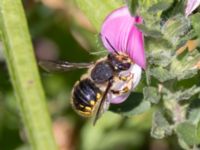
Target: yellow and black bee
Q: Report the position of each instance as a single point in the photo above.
(107, 78)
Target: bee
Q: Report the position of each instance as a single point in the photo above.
(108, 78)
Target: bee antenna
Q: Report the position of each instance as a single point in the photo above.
(111, 46)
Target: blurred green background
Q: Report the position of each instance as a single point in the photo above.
(60, 31)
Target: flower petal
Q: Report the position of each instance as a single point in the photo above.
(191, 6)
(136, 71)
(119, 33)
(119, 99)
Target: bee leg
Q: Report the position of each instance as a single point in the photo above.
(120, 92)
(102, 101)
(126, 77)
(127, 88)
(124, 90)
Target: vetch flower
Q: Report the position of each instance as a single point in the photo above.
(119, 34)
(191, 6)
(120, 30)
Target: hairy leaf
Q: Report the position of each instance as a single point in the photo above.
(188, 133)
(151, 94)
(160, 6)
(160, 126)
(149, 32)
(184, 66)
(181, 95)
(195, 23)
(194, 111)
(160, 58)
(175, 27)
(162, 74)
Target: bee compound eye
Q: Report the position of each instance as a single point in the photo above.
(127, 65)
(122, 66)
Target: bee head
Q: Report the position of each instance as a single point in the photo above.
(120, 62)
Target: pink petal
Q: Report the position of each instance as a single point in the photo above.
(136, 71)
(120, 33)
(120, 99)
(191, 6)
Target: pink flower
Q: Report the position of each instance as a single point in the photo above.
(191, 6)
(119, 33)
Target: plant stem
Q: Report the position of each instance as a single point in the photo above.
(24, 74)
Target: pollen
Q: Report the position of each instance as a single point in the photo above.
(98, 96)
(125, 90)
(92, 102)
(123, 78)
(88, 108)
(81, 105)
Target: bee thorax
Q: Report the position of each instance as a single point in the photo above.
(102, 72)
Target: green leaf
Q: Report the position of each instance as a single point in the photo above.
(186, 74)
(177, 7)
(96, 10)
(160, 58)
(150, 4)
(194, 111)
(89, 41)
(133, 6)
(160, 6)
(183, 66)
(162, 74)
(188, 133)
(187, 94)
(175, 27)
(181, 95)
(132, 106)
(184, 145)
(195, 23)
(198, 132)
(151, 12)
(151, 94)
(154, 46)
(160, 126)
(191, 34)
(149, 32)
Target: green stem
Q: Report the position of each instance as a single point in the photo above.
(24, 75)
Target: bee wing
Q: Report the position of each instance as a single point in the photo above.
(103, 104)
(62, 66)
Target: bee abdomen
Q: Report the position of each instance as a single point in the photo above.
(85, 96)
